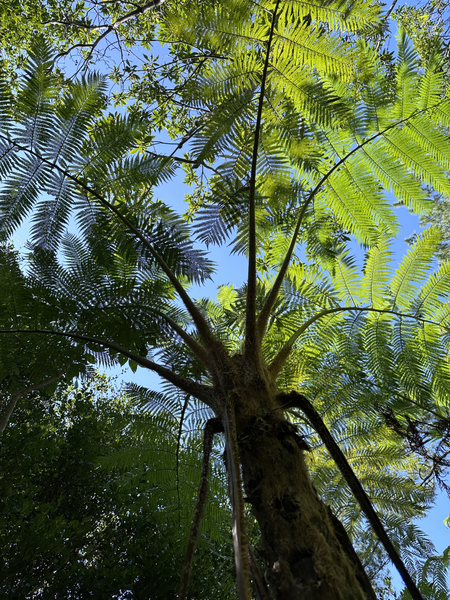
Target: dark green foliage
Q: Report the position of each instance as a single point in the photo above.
(72, 528)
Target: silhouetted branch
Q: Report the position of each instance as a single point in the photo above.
(202, 392)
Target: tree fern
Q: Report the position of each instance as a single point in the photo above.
(305, 134)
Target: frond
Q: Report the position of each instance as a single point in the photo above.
(434, 292)
(414, 267)
(346, 279)
(376, 274)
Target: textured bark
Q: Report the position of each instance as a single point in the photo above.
(305, 548)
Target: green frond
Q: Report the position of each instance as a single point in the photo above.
(346, 279)
(434, 291)
(308, 47)
(215, 137)
(398, 144)
(20, 193)
(35, 99)
(74, 115)
(394, 177)
(377, 343)
(348, 17)
(407, 78)
(349, 207)
(431, 85)
(376, 276)
(306, 287)
(6, 105)
(433, 576)
(413, 268)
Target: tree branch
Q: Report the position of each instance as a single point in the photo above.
(6, 415)
(251, 349)
(140, 10)
(91, 45)
(383, 21)
(354, 484)
(391, 8)
(202, 392)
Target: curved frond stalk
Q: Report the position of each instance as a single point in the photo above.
(269, 303)
(279, 360)
(237, 501)
(210, 430)
(202, 392)
(252, 350)
(6, 415)
(347, 472)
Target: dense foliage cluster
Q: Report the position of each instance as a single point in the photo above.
(87, 504)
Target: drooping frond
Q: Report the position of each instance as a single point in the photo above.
(376, 274)
(413, 268)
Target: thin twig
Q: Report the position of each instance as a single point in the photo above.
(140, 10)
(385, 18)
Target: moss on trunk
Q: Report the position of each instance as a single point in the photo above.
(306, 550)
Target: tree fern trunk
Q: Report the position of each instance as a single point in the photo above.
(305, 548)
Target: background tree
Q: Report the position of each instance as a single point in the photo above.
(76, 527)
(428, 27)
(300, 158)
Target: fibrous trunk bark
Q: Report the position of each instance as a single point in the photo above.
(306, 549)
